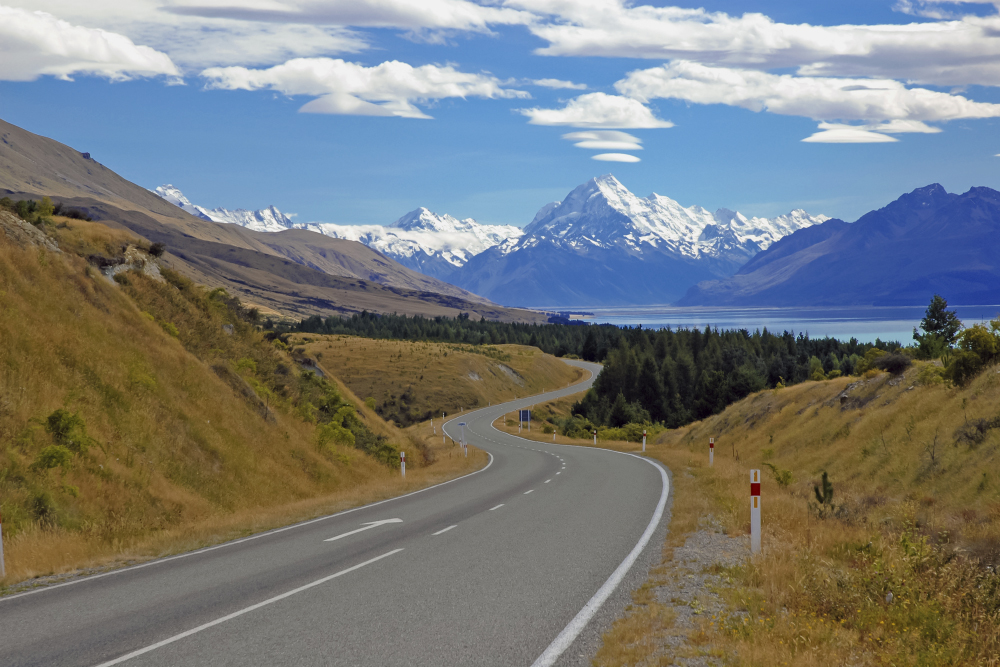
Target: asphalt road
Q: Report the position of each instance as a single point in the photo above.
(505, 566)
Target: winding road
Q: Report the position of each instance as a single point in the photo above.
(521, 563)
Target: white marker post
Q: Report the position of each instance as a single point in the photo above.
(643, 440)
(444, 437)
(711, 452)
(595, 436)
(755, 511)
(402, 463)
(465, 446)
(432, 426)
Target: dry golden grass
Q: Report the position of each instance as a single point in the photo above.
(177, 459)
(414, 381)
(918, 514)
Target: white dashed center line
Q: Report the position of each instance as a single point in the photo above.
(443, 530)
(547, 481)
(496, 508)
(527, 492)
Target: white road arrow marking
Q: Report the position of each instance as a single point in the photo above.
(366, 526)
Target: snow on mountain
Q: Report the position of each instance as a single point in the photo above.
(432, 244)
(424, 241)
(603, 213)
(269, 219)
(604, 246)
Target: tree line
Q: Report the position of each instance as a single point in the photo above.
(664, 376)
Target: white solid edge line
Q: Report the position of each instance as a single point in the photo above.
(569, 634)
(245, 610)
(167, 559)
(496, 508)
(443, 530)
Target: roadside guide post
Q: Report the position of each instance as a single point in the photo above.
(644, 440)
(711, 452)
(595, 436)
(755, 511)
(464, 445)
(3, 570)
(402, 463)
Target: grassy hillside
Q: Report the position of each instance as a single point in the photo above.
(915, 475)
(410, 382)
(140, 416)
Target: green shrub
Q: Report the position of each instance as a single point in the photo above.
(894, 363)
(53, 456)
(781, 476)
(68, 429)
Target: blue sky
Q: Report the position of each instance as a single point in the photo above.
(357, 111)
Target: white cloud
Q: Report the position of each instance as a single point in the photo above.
(195, 42)
(598, 110)
(407, 14)
(932, 8)
(392, 88)
(957, 52)
(615, 157)
(832, 133)
(33, 44)
(559, 84)
(820, 98)
(605, 140)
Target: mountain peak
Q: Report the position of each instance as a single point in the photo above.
(269, 219)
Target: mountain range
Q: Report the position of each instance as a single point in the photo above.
(928, 241)
(603, 245)
(599, 246)
(269, 219)
(435, 245)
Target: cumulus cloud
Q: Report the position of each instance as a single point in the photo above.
(820, 98)
(559, 84)
(605, 140)
(392, 88)
(598, 110)
(615, 157)
(34, 44)
(955, 52)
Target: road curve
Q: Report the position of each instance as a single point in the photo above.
(504, 566)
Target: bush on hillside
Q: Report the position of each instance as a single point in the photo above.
(894, 363)
(979, 346)
(54, 456)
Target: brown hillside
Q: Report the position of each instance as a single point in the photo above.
(296, 272)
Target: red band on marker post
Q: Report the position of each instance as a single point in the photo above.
(755, 511)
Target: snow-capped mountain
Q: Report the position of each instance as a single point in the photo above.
(602, 212)
(432, 244)
(603, 245)
(269, 219)
(424, 241)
